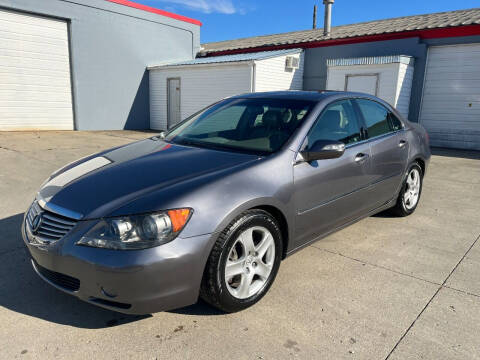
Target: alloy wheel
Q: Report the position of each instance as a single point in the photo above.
(250, 262)
(412, 189)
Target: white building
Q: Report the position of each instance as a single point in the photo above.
(387, 77)
(181, 89)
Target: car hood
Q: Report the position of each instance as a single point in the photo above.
(99, 184)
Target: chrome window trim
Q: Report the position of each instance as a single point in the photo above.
(378, 137)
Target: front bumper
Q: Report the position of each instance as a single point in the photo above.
(131, 282)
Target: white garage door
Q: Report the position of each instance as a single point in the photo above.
(35, 91)
(451, 99)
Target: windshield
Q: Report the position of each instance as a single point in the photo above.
(252, 125)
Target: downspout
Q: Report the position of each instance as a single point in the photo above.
(253, 76)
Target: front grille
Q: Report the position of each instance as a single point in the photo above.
(61, 280)
(52, 227)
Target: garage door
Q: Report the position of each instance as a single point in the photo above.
(35, 90)
(451, 100)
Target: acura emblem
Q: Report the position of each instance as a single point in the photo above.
(36, 223)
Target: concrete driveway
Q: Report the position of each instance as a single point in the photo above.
(386, 287)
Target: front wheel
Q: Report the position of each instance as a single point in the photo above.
(243, 263)
(410, 192)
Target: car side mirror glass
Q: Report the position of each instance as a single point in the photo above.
(323, 149)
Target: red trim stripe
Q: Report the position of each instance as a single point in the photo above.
(468, 30)
(156, 11)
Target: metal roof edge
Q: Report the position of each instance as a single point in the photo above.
(224, 59)
(285, 52)
(372, 60)
(182, 65)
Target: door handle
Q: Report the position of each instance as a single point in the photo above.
(402, 143)
(360, 158)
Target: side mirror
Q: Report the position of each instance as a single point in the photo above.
(324, 149)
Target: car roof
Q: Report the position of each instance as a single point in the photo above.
(297, 95)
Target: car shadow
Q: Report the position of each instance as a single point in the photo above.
(201, 308)
(386, 214)
(22, 291)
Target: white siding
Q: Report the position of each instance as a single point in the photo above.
(271, 74)
(387, 78)
(35, 91)
(200, 86)
(394, 81)
(451, 97)
(404, 88)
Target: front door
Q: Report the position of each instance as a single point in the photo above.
(173, 102)
(329, 193)
(389, 149)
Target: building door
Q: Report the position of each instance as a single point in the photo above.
(173, 102)
(367, 83)
(451, 96)
(35, 90)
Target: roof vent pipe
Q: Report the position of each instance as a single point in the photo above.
(314, 16)
(327, 25)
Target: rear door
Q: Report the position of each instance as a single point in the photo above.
(328, 193)
(389, 150)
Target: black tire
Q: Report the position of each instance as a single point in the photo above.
(214, 286)
(401, 209)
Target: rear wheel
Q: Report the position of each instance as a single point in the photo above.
(410, 192)
(243, 263)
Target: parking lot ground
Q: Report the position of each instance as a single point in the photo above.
(396, 288)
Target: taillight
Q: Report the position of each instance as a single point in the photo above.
(427, 138)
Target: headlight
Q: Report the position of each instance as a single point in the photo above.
(137, 232)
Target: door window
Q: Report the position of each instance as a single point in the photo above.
(337, 122)
(376, 117)
(395, 123)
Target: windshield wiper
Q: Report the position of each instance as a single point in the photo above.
(220, 147)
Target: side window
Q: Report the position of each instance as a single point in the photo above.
(376, 117)
(395, 123)
(337, 122)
